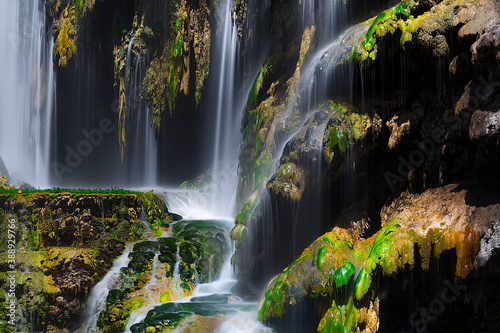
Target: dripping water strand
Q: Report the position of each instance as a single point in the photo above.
(177, 262)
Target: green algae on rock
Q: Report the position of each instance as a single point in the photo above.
(345, 127)
(166, 317)
(339, 262)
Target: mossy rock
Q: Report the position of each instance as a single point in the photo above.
(175, 217)
(167, 244)
(139, 261)
(341, 265)
(146, 246)
(170, 314)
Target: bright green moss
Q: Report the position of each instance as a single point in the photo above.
(343, 274)
(338, 255)
(261, 169)
(394, 19)
(177, 50)
(320, 257)
(339, 137)
(345, 128)
(334, 264)
(252, 97)
(58, 190)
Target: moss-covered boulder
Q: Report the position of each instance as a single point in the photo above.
(424, 27)
(340, 267)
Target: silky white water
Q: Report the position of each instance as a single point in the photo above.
(238, 322)
(27, 91)
(228, 119)
(140, 153)
(96, 300)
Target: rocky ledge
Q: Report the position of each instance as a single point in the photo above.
(65, 242)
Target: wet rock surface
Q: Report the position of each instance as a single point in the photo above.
(484, 124)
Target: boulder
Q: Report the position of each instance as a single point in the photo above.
(484, 124)
(486, 50)
(4, 183)
(20, 185)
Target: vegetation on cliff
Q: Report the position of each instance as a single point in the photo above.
(66, 241)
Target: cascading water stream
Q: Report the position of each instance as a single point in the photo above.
(243, 317)
(325, 72)
(329, 16)
(27, 93)
(97, 297)
(317, 73)
(141, 152)
(227, 126)
(154, 279)
(177, 262)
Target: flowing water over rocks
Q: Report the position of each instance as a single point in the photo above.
(337, 160)
(184, 278)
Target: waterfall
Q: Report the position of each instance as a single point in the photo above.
(329, 16)
(280, 231)
(216, 200)
(141, 152)
(228, 117)
(27, 94)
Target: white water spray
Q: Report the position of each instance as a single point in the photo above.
(97, 297)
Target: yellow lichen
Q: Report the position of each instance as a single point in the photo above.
(48, 285)
(64, 46)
